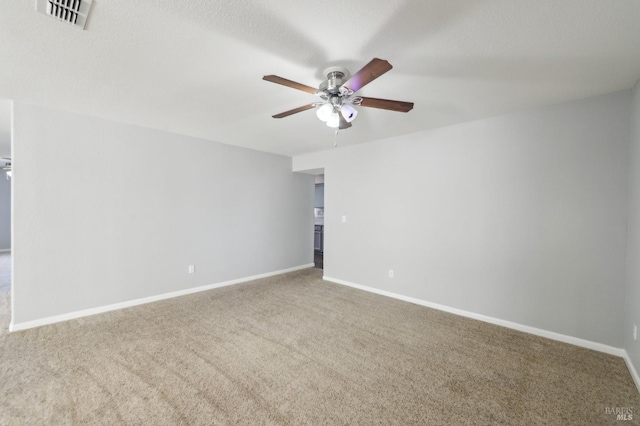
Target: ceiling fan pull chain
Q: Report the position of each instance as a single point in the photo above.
(335, 143)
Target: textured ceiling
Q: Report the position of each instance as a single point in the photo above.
(195, 67)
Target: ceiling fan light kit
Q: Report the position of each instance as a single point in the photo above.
(334, 120)
(337, 107)
(349, 112)
(324, 111)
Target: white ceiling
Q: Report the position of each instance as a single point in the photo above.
(196, 67)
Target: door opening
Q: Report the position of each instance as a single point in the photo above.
(318, 235)
(5, 215)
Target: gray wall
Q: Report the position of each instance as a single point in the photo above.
(632, 313)
(5, 211)
(519, 217)
(107, 212)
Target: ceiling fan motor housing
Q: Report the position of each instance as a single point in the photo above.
(336, 76)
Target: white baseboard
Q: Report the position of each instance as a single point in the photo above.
(632, 370)
(513, 325)
(101, 309)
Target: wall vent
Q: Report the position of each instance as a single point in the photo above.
(74, 12)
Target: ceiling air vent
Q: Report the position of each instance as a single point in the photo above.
(74, 12)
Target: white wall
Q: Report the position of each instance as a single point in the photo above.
(632, 313)
(106, 213)
(5, 211)
(520, 217)
(5, 185)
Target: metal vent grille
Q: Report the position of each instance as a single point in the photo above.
(74, 12)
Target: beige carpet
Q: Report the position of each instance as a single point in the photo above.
(293, 349)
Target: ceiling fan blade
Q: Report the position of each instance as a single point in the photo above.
(399, 106)
(367, 74)
(289, 83)
(344, 124)
(294, 111)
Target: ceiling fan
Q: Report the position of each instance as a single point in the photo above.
(338, 94)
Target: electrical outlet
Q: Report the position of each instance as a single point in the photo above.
(635, 332)
(390, 273)
(192, 269)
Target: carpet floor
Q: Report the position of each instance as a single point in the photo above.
(294, 349)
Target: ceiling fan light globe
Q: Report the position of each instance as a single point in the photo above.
(334, 120)
(349, 112)
(324, 112)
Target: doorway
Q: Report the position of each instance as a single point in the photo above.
(5, 252)
(5, 215)
(318, 235)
